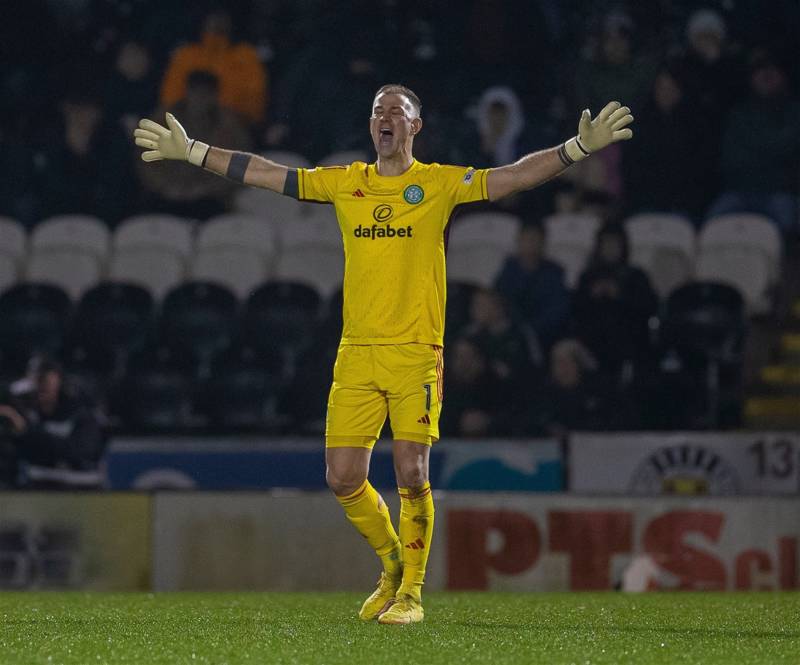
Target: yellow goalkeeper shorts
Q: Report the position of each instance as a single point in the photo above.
(371, 381)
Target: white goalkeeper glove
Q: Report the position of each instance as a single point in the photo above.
(168, 142)
(593, 135)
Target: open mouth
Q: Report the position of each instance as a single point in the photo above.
(385, 136)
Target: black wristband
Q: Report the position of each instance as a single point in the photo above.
(290, 187)
(237, 167)
(566, 160)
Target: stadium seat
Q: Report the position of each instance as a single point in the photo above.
(478, 244)
(113, 320)
(744, 230)
(663, 245)
(271, 207)
(156, 269)
(344, 158)
(746, 269)
(13, 239)
(73, 270)
(237, 230)
(320, 266)
(33, 318)
(163, 231)
(197, 322)
(154, 397)
(265, 204)
(705, 320)
(79, 232)
(319, 228)
(8, 271)
(281, 318)
(241, 394)
(570, 239)
(237, 268)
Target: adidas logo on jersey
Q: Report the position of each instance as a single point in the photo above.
(383, 231)
(358, 193)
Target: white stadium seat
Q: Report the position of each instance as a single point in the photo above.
(344, 158)
(158, 269)
(238, 268)
(237, 230)
(570, 239)
(8, 271)
(475, 264)
(164, 231)
(478, 244)
(746, 268)
(321, 266)
(321, 228)
(269, 206)
(74, 270)
(13, 239)
(663, 245)
(82, 232)
(745, 230)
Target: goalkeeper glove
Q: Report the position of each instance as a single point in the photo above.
(169, 142)
(593, 135)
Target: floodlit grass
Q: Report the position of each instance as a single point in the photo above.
(322, 629)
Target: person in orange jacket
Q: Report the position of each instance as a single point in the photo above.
(243, 78)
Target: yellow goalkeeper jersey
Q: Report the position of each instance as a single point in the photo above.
(394, 232)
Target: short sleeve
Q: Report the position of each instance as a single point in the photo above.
(463, 184)
(320, 184)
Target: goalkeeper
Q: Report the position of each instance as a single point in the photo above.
(393, 215)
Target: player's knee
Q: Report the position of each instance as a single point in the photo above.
(343, 481)
(412, 474)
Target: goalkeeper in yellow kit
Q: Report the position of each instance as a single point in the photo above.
(393, 215)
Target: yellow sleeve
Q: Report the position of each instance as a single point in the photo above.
(464, 184)
(320, 184)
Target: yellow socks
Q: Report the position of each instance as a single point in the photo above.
(369, 514)
(416, 530)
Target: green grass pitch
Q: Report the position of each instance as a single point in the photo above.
(322, 629)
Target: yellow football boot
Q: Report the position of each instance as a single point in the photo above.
(381, 598)
(405, 609)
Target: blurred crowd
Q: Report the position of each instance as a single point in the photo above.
(713, 89)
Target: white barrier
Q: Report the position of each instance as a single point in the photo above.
(716, 463)
(515, 542)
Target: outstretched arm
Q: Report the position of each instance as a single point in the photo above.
(608, 127)
(171, 142)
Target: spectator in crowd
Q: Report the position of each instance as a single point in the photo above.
(613, 303)
(712, 80)
(50, 423)
(576, 397)
(132, 87)
(511, 351)
(88, 166)
(614, 70)
(496, 138)
(475, 398)
(534, 286)
(674, 182)
(761, 148)
(242, 77)
(179, 189)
